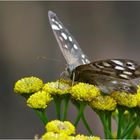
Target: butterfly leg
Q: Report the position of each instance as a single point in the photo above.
(62, 76)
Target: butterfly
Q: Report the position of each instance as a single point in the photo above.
(108, 75)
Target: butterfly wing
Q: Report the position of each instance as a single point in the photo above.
(119, 68)
(67, 43)
(110, 75)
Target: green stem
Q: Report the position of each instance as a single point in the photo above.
(81, 109)
(84, 120)
(57, 101)
(86, 124)
(130, 121)
(66, 101)
(126, 129)
(109, 121)
(42, 116)
(131, 128)
(120, 119)
(105, 124)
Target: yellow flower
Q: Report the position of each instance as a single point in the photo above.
(103, 102)
(82, 137)
(57, 87)
(39, 100)
(63, 136)
(64, 81)
(84, 92)
(138, 96)
(57, 126)
(28, 85)
(136, 133)
(125, 99)
(54, 136)
(114, 135)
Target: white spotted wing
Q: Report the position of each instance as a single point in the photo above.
(68, 45)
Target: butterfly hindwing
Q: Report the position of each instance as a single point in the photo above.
(119, 68)
(110, 75)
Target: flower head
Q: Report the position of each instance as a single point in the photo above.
(57, 126)
(82, 137)
(136, 133)
(64, 81)
(55, 136)
(125, 99)
(138, 96)
(57, 88)
(103, 102)
(39, 100)
(28, 85)
(84, 92)
(63, 136)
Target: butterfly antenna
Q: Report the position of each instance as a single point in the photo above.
(48, 59)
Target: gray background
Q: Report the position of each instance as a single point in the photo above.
(103, 30)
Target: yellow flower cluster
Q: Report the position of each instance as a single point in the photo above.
(39, 95)
(57, 87)
(58, 130)
(125, 99)
(138, 96)
(55, 136)
(28, 85)
(84, 92)
(57, 126)
(64, 81)
(62, 136)
(80, 92)
(136, 133)
(39, 100)
(82, 137)
(103, 102)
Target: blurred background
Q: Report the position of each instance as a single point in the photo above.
(103, 30)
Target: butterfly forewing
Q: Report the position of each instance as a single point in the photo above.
(68, 45)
